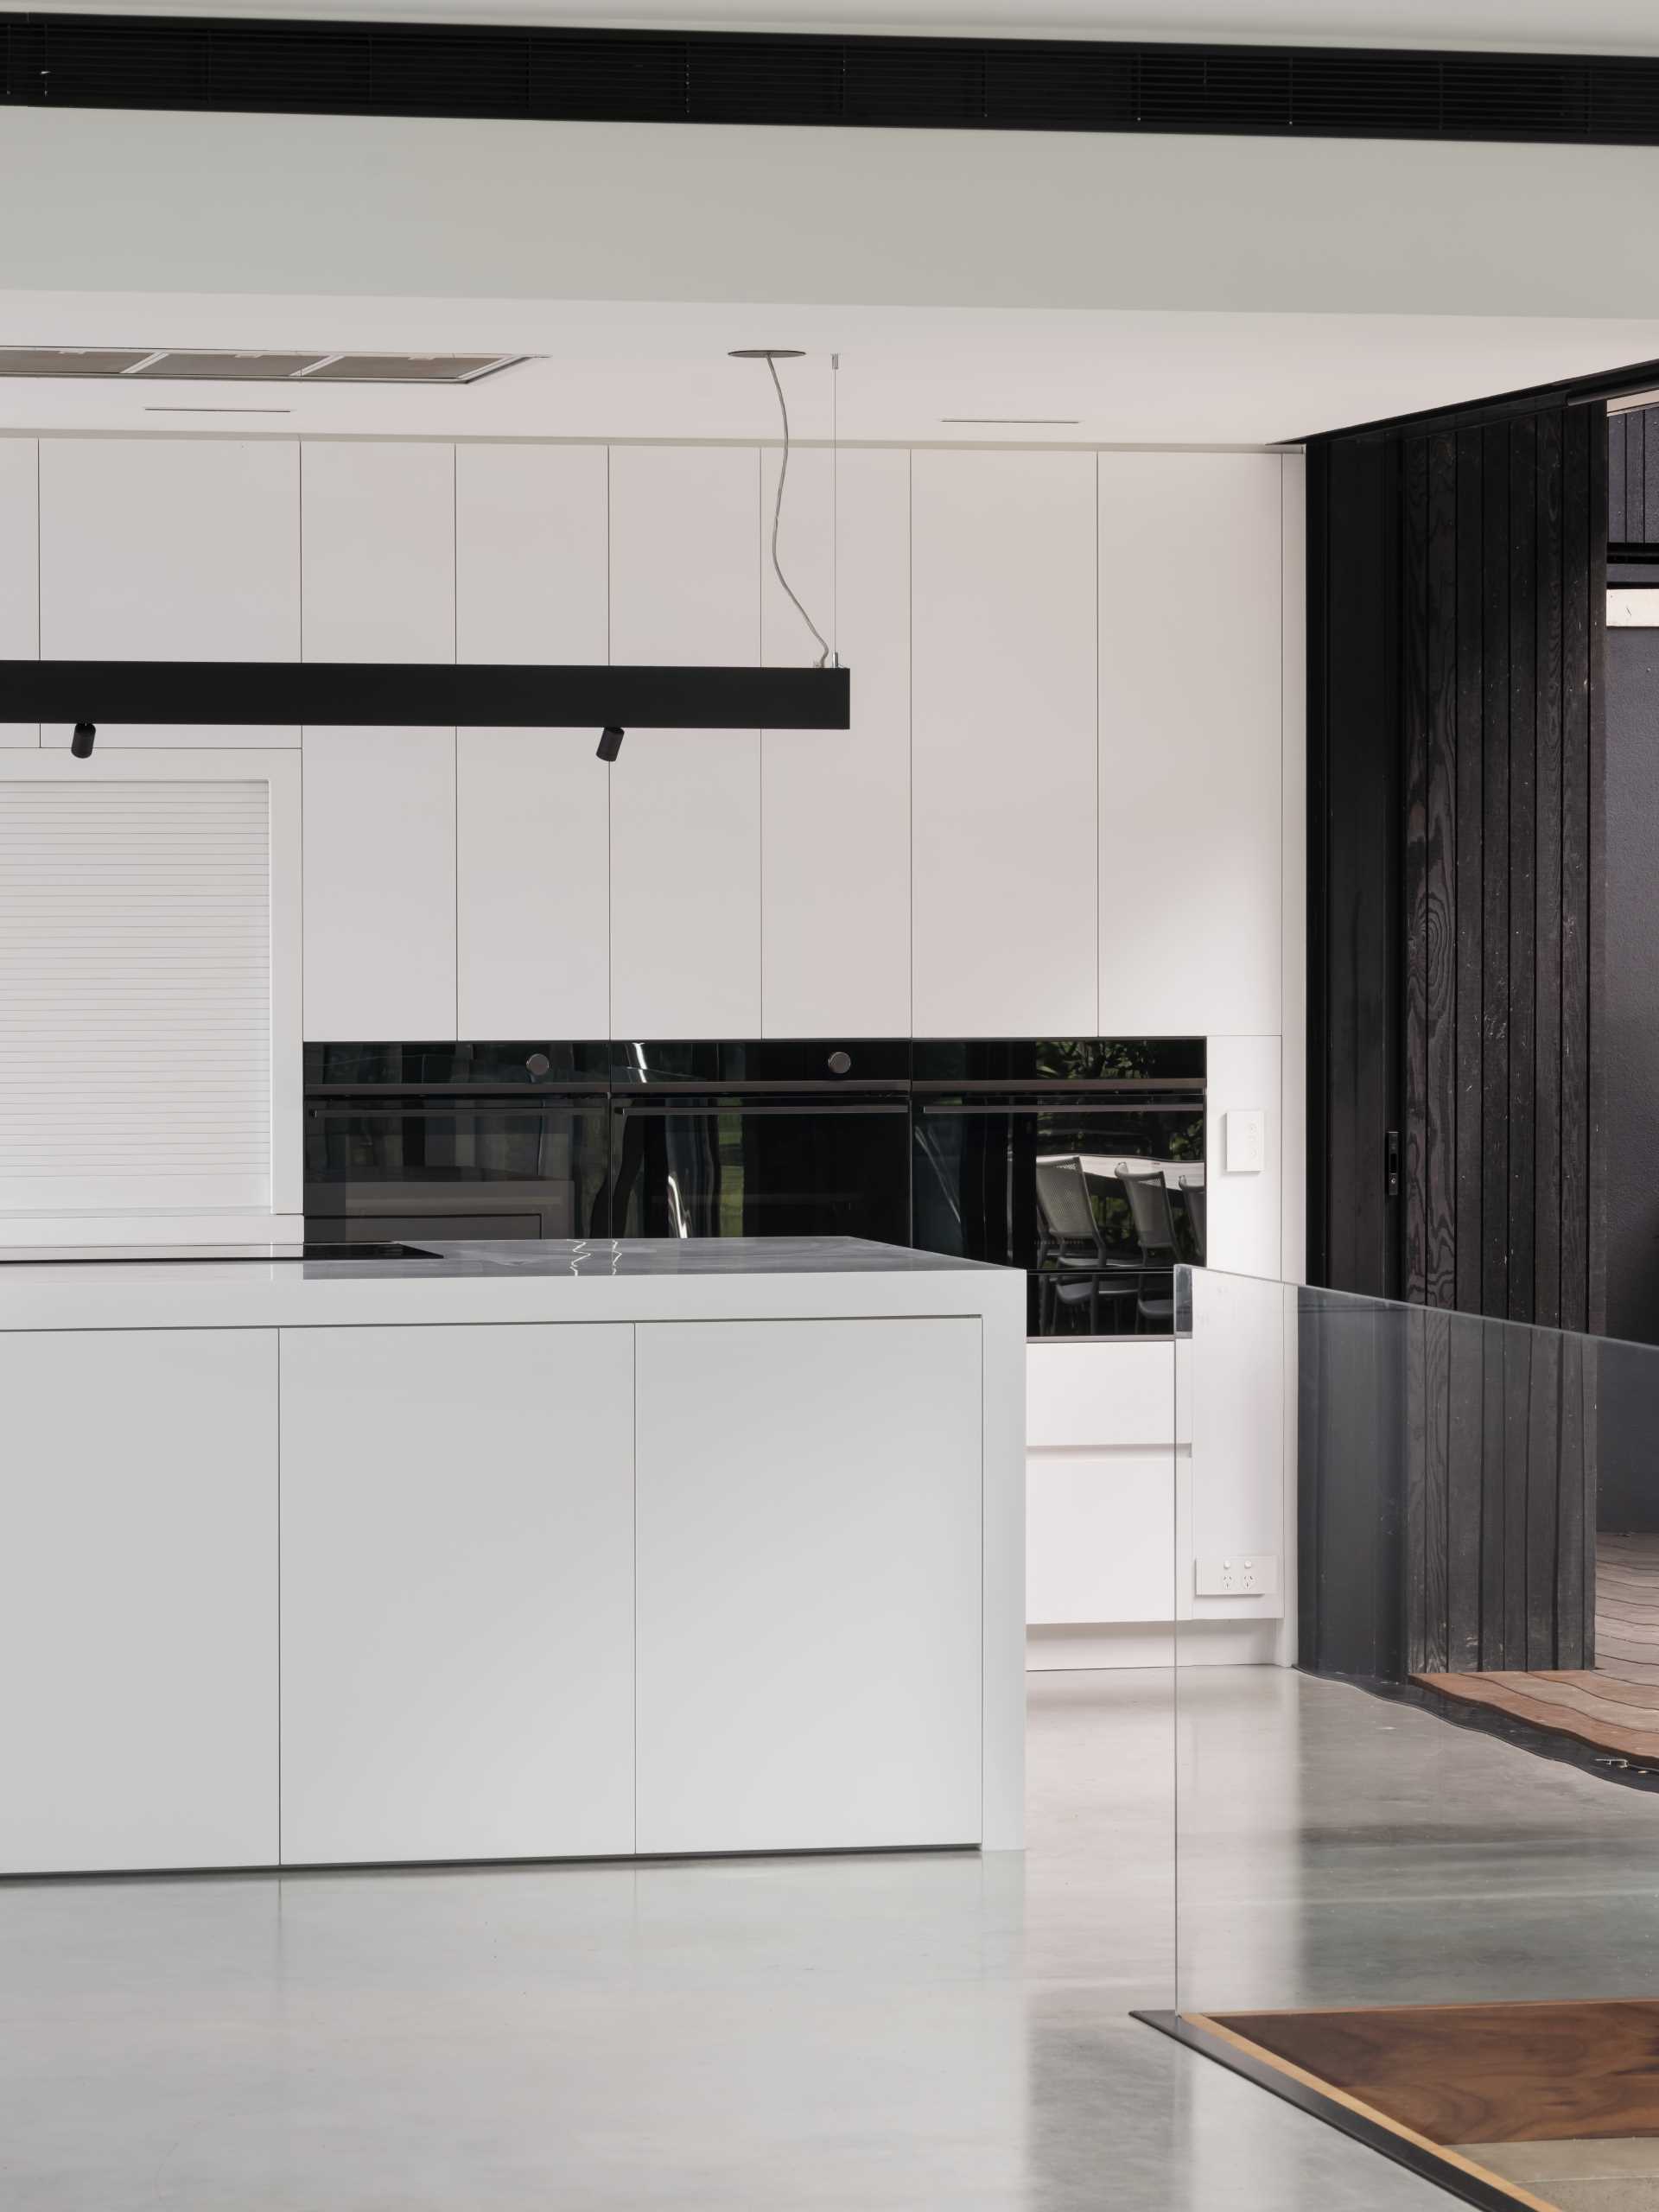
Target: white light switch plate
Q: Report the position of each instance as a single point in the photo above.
(1247, 1140)
(1240, 1574)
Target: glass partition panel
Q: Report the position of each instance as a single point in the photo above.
(1417, 1591)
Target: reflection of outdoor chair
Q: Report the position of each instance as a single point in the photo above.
(1072, 1253)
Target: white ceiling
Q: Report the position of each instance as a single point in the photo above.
(1611, 26)
(643, 370)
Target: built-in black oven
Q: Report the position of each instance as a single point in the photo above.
(761, 1138)
(456, 1140)
(1080, 1160)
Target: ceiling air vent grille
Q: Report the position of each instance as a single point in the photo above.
(927, 84)
(151, 364)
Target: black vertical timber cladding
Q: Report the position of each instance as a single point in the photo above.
(1523, 921)
(1353, 783)
(1495, 871)
(1456, 592)
(1549, 728)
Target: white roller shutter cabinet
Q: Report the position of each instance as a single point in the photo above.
(135, 995)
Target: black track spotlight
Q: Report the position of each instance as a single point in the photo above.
(81, 743)
(610, 742)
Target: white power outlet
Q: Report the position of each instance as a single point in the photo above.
(1240, 1574)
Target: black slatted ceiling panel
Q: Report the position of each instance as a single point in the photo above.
(939, 83)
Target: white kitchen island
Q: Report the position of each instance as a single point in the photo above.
(530, 1551)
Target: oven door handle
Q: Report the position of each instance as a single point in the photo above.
(687, 1112)
(376, 1110)
(1053, 1106)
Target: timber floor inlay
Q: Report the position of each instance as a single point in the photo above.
(1553, 2106)
(1615, 1704)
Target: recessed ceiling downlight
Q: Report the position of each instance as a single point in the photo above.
(187, 365)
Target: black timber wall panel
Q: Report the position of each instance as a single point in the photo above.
(1633, 476)
(1457, 573)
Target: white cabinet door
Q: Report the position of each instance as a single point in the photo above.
(138, 1600)
(1003, 741)
(20, 583)
(457, 1595)
(809, 1584)
(1191, 740)
(835, 805)
(531, 530)
(685, 804)
(533, 836)
(170, 548)
(532, 884)
(379, 546)
(379, 869)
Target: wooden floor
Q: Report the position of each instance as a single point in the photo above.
(1615, 1704)
(1554, 2107)
(1481, 2073)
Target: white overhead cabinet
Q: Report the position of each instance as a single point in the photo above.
(532, 853)
(379, 869)
(685, 804)
(1005, 929)
(532, 527)
(532, 873)
(379, 551)
(170, 548)
(20, 580)
(138, 1600)
(1190, 743)
(835, 828)
(457, 1592)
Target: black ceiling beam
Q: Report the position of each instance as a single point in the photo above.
(555, 74)
(397, 693)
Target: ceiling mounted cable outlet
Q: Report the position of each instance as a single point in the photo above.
(150, 364)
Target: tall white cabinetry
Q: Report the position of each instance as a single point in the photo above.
(457, 1594)
(1003, 749)
(138, 1600)
(835, 805)
(685, 804)
(170, 548)
(533, 851)
(19, 579)
(1192, 742)
(379, 570)
(379, 873)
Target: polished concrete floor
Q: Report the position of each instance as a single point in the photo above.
(907, 2034)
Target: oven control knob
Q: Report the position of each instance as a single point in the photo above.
(539, 1065)
(840, 1063)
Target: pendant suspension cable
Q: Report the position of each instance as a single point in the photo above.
(834, 505)
(777, 515)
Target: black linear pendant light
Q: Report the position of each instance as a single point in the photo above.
(360, 694)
